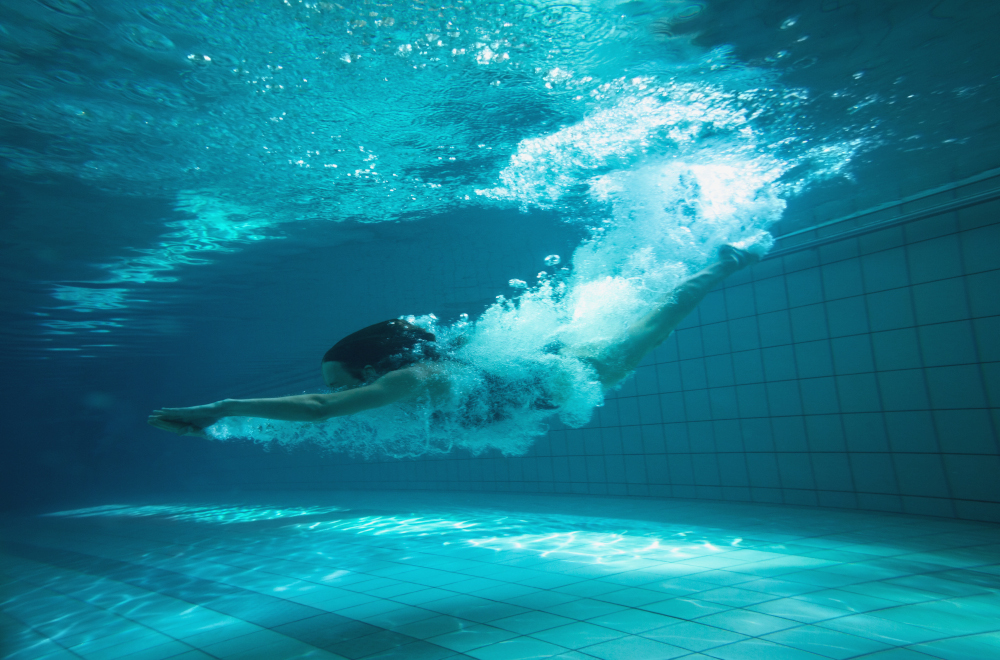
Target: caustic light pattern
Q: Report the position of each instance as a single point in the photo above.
(497, 578)
(254, 116)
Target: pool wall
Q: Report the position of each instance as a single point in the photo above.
(858, 367)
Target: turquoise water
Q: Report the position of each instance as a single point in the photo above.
(623, 118)
(309, 113)
(252, 121)
(248, 125)
(662, 149)
(198, 198)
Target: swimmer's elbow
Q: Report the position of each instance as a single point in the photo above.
(318, 408)
(322, 407)
(389, 389)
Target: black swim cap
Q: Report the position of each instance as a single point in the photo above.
(386, 346)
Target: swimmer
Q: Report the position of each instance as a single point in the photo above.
(397, 362)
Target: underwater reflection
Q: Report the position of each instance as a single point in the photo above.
(223, 515)
(431, 576)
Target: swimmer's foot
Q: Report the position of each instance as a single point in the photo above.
(736, 257)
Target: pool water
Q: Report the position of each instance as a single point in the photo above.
(200, 196)
(431, 577)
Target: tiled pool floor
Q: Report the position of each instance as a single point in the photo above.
(427, 577)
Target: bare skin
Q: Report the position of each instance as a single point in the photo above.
(396, 386)
(618, 361)
(427, 380)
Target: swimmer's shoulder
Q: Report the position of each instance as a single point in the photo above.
(433, 375)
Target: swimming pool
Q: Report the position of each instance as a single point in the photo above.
(359, 576)
(200, 197)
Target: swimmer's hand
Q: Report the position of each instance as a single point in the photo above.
(394, 386)
(187, 421)
(176, 427)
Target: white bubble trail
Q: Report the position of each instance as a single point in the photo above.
(711, 179)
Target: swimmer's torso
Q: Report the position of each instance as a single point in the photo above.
(474, 397)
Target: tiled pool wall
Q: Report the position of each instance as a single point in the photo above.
(861, 373)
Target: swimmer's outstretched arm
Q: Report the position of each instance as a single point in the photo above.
(392, 387)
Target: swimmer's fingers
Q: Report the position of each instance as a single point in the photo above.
(172, 413)
(164, 425)
(197, 416)
(179, 428)
(172, 417)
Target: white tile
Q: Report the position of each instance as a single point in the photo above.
(686, 608)
(261, 644)
(901, 581)
(759, 649)
(522, 648)
(531, 622)
(734, 597)
(160, 652)
(435, 626)
(747, 623)
(694, 636)
(577, 635)
(632, 647)
(973, 647)
(585, 608)
(882, 630)
(472, 637)
(825, 642)
(933, 617)
(633, 621)
(102, 651)
(797, 610)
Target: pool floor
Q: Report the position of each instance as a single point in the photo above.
(432, 576)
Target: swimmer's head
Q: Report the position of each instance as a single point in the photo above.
(374, 351)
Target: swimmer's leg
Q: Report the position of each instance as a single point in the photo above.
(617, 361)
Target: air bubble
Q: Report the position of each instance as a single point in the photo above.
(552, 260)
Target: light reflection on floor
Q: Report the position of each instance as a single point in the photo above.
(220, 514)
(428, 577)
